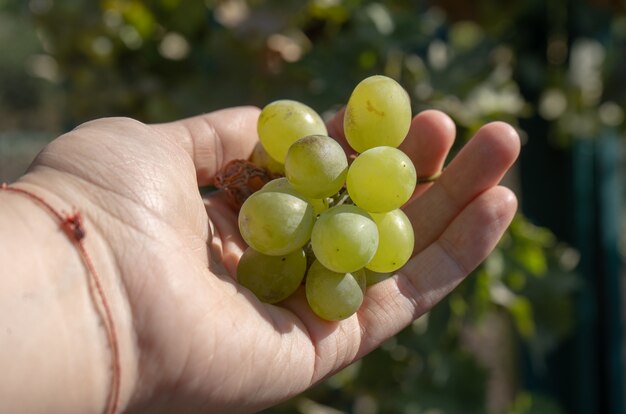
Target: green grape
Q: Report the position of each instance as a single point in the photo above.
(361, 277)
(395, 241)
(344, 238)
(378, 113)
(275, 223)
(333, 296)
(271, 278)
(316, 166)
(381, 179)
(372, 277)
(282, 185)
(283, 122)
(261, 158)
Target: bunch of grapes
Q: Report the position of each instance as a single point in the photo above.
(333, 225)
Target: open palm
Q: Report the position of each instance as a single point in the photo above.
(198, 341)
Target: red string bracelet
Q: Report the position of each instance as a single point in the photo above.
(72, 225)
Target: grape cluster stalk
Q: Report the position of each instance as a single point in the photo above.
(330, 224)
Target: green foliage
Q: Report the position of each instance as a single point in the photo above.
(527, 403)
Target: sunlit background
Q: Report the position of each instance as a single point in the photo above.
(538, 328)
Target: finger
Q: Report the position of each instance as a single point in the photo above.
(427, 144)
(214, 139)
(480, 165)
(391, 305)
(428, 277)
(335, 130)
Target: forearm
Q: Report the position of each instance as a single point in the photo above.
(54, 352)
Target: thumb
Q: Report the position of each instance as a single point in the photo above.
(214, 139)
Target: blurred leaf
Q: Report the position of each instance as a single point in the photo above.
(532, 257)
(135, 13)
(521, 310)
(530, 403)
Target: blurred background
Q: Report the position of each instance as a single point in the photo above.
(538, 328)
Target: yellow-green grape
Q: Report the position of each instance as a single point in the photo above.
(316, 166)
(271, 278)
(372, 277)
(261, 158)
(275, 223)
(283, 122)
(282, 184)
(378, 113)
(333, 296)
(361, 278)
(344, 238)
(395, 241)
(381, 179)
(278, 184)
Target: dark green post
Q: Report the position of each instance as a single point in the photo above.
(576, 192)
(579, 199)
(609, 184)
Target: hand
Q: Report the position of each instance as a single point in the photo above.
(193, 340)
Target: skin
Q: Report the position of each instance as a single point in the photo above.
(191, 340)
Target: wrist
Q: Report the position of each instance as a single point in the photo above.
(56, 344)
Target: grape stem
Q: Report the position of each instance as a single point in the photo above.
(342, 198)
